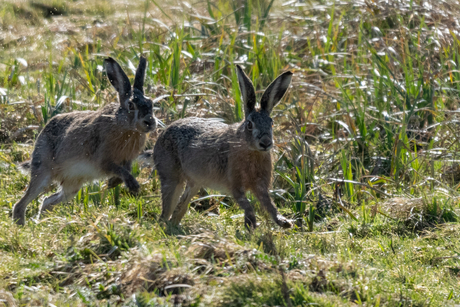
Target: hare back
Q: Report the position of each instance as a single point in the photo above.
(212, 154)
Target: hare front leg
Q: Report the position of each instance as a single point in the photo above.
(115, 181)
(129, 180)
(268, 205)
(249, 215)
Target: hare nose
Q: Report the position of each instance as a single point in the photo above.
(148, 122)
(265, 143)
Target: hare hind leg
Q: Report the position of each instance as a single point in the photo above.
(190, 190)
(171, 178)
(39, 181)
(171, 190)
(67, 192)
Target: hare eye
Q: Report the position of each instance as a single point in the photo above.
(249, 125)
(131, 106)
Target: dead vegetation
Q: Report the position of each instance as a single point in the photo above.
(366, 159)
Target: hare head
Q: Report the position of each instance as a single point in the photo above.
(135, 109)
(258, 123)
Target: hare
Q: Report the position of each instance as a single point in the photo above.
(233, 159)
(78, 147)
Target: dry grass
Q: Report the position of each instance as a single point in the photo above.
(366, 158)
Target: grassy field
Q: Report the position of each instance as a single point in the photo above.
(366, 160)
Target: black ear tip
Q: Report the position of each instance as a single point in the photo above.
(110, 60)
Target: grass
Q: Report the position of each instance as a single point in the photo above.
(366, 160)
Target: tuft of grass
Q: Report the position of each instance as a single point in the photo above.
(254, 291)
(366, 160)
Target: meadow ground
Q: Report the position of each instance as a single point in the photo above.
(366, 160)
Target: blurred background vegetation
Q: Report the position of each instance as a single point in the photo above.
(367, 133)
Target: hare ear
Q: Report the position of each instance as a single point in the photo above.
(119, 79)
(275, 91)
(140, 75)
(247, 91)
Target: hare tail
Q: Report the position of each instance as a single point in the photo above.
(146, 159)
(24, 167)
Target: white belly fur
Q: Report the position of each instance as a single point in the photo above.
(82, 171)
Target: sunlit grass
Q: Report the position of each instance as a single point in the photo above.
(366, 160)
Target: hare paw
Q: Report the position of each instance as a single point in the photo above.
(19, 220)
(19, 216)
(113, 182)
(250, 220)
(133, 186)
(283, 222)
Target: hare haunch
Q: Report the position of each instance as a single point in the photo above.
(78, 147)
(229, 158)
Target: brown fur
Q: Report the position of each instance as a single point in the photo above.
(78, 147)
(230, 158)
(252, 176)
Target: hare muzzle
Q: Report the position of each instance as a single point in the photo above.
(148, 123)
(265, 143)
